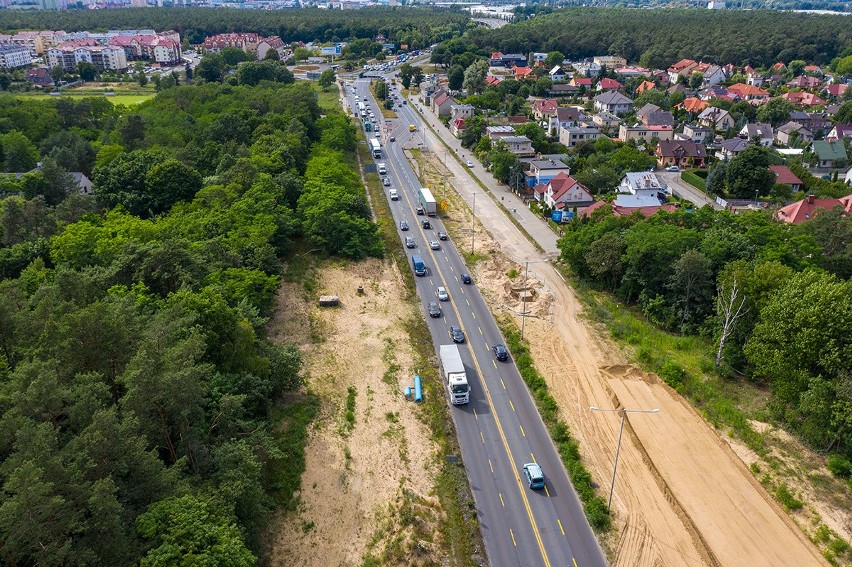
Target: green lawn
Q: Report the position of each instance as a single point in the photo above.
(126, 99)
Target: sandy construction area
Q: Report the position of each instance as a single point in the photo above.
(367, 488)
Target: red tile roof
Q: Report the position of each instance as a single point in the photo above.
(784, 175)
(681, 65)
(546, 105)
(581, 81)
(626, 211)
(693, 104)
(744, 90)
(804, 210)
(645, 86)
(492, 80)
(804, 99)
(607, 83)
(836, 89)
(522, 72)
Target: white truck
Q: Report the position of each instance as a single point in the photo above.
(454, 374)
(427, 201)
(375, 147)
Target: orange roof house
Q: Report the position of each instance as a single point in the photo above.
(693, 104)
(804, 210)
(645, 86)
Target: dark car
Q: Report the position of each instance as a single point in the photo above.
(442, 235)
(466, 279)
(426, 224)
(500, 353)
(392, 139)
(403, 225)
(457, 334)
(434, 309)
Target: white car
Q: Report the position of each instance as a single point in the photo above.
(442, 294)
(434, 245)
(469, 163)
(672, 168)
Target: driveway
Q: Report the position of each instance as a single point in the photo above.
(686, 191)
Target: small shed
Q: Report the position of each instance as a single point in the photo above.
(329, 301)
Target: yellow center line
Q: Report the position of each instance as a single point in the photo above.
(501, 500)
(468, 302)
(558, 521)
(491, 466)
(511, 404)
(475, 415)
(522, 430)
(480, 330)
(519, 483)
(546, 491)
(481, 436)
(494, 363)
(575, 561)
(532, 457)
(474, 314)
(513, 537)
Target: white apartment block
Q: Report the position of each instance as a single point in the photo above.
(12, 56)
(103, 57)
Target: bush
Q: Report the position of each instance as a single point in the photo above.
(691, 176)
(787, 498)
(598, 515)
(839, 466)
(672, 374)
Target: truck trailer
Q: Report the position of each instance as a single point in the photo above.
(454, 375)
(376, 147)
(427, 201)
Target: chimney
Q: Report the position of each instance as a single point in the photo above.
(810, 199)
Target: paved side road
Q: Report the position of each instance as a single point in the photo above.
(686, 191)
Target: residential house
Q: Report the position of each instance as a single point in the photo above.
(13, 56)
(819, 121)
(829, 154)
(272, 43)
(645, 86)
(800, 98)
(563, 89)
(491, 80)
(681, 153)
(442, 103)
(763, 132)
(696, 133)
(636, 201)
(544, 108)
(578, 81)
(836, 90)
(607, 84)
(717, 91)
(606, 121)
(729, 149)
(518, 145)
(543, 170)
(630, 72)
(750, 93)
(496, 59)
(39, 77)
(713, 74)
(563, 192)
(557, 74)
(565, 117)
(692, 104)
(496, 133)
(778, 68)
(508, 60)
(804, 210)
(587, 69)
(814, 69)
(460, 111)
(643, 183)
(682, 68)
(784, 176)
(539, 57)
(610, 61)
(643, 134)
(848, 178)
(840, 132)
(613, 102)
(793, 133)
(653, 115)
(716, 119)
(516, 120)
(104, 57)
(803, 82)
(84, 184)
(521, 73)
(676, 88)
(457, 127)
(660, 77)
(570, 137)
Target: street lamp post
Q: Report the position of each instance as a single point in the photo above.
(623, 413)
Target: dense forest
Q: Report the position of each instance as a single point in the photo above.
(417, 27)
(136, 383)
(774, 297)
(658, 38)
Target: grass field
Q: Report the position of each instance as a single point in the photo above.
(125, 99)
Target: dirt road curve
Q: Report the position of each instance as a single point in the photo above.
(682, 497)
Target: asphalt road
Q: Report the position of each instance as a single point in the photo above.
(686, 191)
(500, 429)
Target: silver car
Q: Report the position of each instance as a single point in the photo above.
(442, 294)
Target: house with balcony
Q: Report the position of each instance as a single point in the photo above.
(541, 171)
(565, 117)
(571, 136)
(682, 153)
(716, 119)
(759, 131)
(642, 134)
(518, 145)
(793, 133)
(563, 192)
(643, 183)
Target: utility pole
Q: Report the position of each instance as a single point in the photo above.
(623, 413)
